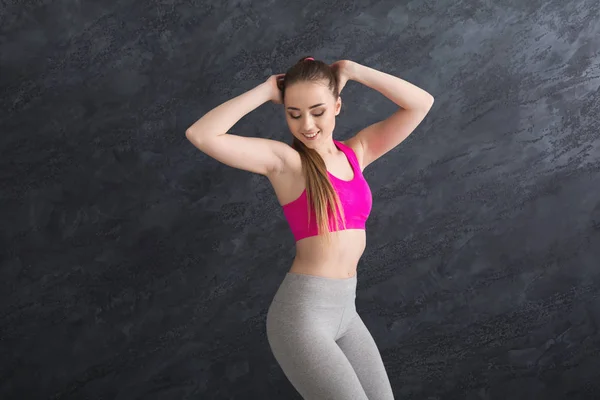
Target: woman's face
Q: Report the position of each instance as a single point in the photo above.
(310, 109)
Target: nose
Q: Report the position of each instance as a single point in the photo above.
(308, 126)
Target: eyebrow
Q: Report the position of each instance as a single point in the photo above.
(316, 105)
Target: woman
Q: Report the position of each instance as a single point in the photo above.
(313, 329)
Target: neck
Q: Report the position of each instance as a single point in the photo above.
(327, 149)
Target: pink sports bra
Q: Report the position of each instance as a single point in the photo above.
(355, 198)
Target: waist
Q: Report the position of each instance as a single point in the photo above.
(338, 259)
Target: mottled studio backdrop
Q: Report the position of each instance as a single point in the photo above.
(135, 267)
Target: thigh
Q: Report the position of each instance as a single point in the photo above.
(311, 360)
(363, 354)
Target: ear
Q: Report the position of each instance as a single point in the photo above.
(338, 105)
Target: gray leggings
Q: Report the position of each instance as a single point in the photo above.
(321, 343)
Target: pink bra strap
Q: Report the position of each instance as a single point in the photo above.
(350, 153)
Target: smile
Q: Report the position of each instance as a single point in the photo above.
(311, 136)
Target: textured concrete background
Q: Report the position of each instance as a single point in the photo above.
(135, 267)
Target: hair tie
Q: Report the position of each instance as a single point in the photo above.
(309, 58)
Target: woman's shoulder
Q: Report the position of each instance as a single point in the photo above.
(354, 144)
(288, 183)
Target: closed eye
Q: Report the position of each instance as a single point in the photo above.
(316, 115)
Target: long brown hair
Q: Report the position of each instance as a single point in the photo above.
(321, 196)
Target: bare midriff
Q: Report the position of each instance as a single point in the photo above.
(337, 259)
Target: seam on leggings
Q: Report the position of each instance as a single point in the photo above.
(340, 325)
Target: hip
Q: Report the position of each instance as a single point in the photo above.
(311, 304)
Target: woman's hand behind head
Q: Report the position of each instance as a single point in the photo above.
(275, 83)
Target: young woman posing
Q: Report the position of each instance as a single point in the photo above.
(313, 329)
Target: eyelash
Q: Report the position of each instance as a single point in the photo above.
(316, 115)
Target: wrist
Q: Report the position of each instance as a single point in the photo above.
(264, 91)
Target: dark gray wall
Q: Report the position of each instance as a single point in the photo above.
(135, 267)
